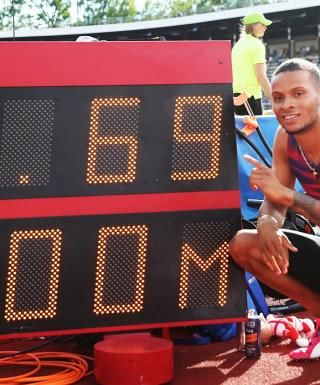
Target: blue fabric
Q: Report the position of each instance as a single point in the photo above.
(250, 303)
(255, 296)
(220, 332)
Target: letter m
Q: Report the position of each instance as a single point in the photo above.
(203, 282)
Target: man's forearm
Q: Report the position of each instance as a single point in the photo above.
(306, 206)
(269, 209)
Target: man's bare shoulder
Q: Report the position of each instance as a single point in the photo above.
(281, 131)
(280, 144)
(281, 135)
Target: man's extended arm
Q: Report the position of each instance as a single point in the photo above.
(306, 206)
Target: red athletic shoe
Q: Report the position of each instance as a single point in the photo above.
(309, 353)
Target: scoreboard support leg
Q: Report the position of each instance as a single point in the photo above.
(166, 333)
(133, 359)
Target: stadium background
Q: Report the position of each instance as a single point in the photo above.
(295, 31)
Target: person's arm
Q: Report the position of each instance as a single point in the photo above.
(271, 217)
(277, 185)
(279, 188)
(298, 202)
(286, 196)
(305, 205)
(260, 71)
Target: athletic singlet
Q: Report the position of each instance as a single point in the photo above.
(309, 182)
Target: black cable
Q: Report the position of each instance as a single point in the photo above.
(30, 349)
(263, 140)
(89, 339)
(258, 129)
(254, 147)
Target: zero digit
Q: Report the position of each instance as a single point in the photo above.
(121, 259)
(33, 276)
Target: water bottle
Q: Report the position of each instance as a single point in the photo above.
(252, 335)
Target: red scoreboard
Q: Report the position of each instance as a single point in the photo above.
(118, 186)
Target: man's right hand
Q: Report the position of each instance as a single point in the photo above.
(274, 247)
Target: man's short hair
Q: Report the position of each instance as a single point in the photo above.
(297, 64)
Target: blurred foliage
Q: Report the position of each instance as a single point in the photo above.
(91, 12)
(60, 13)
(50, 13)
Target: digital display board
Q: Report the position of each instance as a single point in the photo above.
(118, 187)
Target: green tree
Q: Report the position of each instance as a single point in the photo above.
(10, 12)
(203, 6)
(181, 8)
(56, 13)
(248, 3)
(35, 13)
(105, 11)
(154, 9)
(50, 13)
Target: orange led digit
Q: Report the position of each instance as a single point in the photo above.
(33, 274)
(121, 259)
(197, 130)
(113, 143)
(26, 154)
(189, 256)
(24, 180)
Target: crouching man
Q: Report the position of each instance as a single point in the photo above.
(264, 252)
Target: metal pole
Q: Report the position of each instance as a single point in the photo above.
(13, 21)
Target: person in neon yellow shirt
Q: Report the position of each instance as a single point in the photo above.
(249, 65)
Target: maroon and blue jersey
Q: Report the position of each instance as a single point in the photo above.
(309, 181)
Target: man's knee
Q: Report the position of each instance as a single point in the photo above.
(239, 247)
(235, 245)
